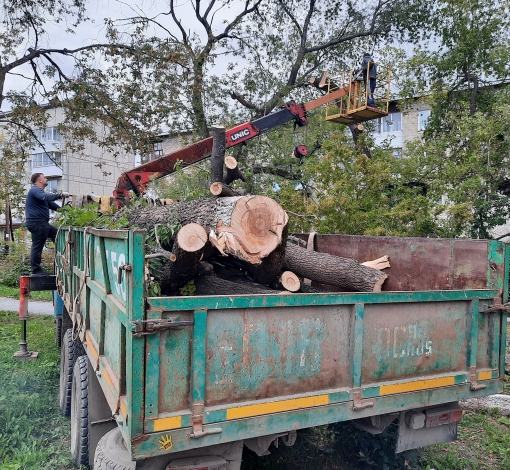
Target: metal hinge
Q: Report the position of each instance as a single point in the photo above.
(197, 420)
(359, 404)
(474, 385)
(150, 327)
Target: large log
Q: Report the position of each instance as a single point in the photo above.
(247, 227)
(332, 270)
(183, 263)
(212, 285)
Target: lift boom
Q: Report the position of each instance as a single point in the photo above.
(138, 178)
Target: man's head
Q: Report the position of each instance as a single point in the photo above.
(366, 54)
(38, 179)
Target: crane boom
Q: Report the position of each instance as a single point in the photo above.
(138, 178)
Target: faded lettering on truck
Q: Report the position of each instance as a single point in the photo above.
(403, 341)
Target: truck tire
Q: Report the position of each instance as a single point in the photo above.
(80, 413)
(111, 453)
(58, 331)
(69, 351)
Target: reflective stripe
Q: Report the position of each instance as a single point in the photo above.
(277, 406)
(416, 385)
(167, 423)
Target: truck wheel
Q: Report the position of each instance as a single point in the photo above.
(111, 453)
(58, 331)
(80, 413)
(66, 372)
(69, 351)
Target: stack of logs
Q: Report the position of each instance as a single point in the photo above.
(233, 244)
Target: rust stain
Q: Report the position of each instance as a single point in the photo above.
(139, 439)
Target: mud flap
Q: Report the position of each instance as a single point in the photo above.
(409, 438)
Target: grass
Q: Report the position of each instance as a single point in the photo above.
(13, 292)
(33, 433)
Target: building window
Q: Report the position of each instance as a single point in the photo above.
(392, 122)
(397, 153)
(50, 134)
(423, 117)
(52, 186)
(157, 153)
(45, 159)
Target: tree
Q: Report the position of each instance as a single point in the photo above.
(463, 156)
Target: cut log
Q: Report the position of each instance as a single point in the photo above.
(212, 285)
(232, 171)
(187, 250)
(380, 263)
(247, 227)
(332, 270)
(217, 153)
(222, 190)
(290, 281)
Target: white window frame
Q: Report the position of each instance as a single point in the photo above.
(387, 128)
(42, 159)
(423, 117)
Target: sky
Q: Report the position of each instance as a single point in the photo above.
(94, 31)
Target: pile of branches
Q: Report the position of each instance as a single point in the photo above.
(231, 244)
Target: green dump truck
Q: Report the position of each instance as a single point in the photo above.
(185, 382)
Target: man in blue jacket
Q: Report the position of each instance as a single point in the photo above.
(37, 212)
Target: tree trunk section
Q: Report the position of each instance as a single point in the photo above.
(217, 154)
(187, 250)
(222, 190)
(232, 171)
(332, 270)
(247, 227)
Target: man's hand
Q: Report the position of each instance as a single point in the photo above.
(64, 194)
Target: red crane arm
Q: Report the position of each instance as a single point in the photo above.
(138, 178)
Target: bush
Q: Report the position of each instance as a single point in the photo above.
(15, 262)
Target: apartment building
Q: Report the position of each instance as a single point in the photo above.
(91, 171)
(398, 128)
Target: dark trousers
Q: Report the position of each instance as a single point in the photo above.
(40, 231)
(370, 88)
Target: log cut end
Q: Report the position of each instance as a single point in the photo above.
(290, 281)
(258, 223)
(230, 162)
(192, 237)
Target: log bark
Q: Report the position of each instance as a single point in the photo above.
(332, 270)
(232, 171)
(247, 227)
(212, 285)
(217, 153)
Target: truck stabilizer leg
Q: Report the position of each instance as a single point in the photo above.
(24, 292)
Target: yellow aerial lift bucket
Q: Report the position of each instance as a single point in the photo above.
(353, 108)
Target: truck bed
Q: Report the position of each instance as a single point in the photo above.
(187, 372)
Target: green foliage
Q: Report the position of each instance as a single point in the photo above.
(33, 433)
(78, 217)
(341, 190)
(186, 184)
(188, 289)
